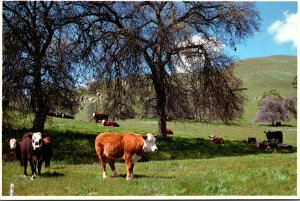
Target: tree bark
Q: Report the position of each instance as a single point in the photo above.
(39, 121)
(160, 91)
(161, 112)
(38, 98)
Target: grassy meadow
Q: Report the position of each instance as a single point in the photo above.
(185, 165)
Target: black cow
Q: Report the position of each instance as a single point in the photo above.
(67, 116)
(277, 135)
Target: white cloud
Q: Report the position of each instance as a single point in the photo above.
(212, 45)
(286, 30)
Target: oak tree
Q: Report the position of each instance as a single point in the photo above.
(155, 38)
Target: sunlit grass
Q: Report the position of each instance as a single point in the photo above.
(243, 175)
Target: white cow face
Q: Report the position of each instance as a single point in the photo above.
(149, 143)
(13, 143)
(37, 141)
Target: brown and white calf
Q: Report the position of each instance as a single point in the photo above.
(169, 131)
(128, 146)
(216, 140)
(110, 123)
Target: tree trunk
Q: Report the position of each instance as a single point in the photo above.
(38, 98)
(161, 108)
(161, 113)
(39, 121)
(158, 78)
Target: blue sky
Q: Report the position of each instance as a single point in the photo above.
(277, 34)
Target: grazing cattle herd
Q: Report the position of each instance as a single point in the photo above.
(109, 147)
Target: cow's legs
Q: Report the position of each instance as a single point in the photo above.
(111, 163)
(102, 160)
(39, 167)
(33, 169)
(25, 166)
(129, 167)
(103, 164)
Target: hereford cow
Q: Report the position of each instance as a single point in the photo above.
(129, 147)
(46, 148)
(110, 123)
(265, 145)
(216, 140)
(100, 116)
(31, 149)
(34, 148)
(47, 151)
(277, 135)
(169, 131)
(15, 145)
(168, 118)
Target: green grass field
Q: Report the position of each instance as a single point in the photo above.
(264, 174)
(186, 165)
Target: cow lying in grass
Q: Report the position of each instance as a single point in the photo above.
(33, 148)
(264, 145)
(110, 123)
(129, 147)
(216, 140)
(169, 131)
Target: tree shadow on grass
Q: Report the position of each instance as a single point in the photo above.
(79, 148)
(196, 148)
(52, 174)
(277, 127)
(139, 176)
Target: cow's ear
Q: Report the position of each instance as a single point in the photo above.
(156, 136)
(30, 135)
(144, 137)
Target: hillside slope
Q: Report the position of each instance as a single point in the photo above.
(258, 75)
(263, 74)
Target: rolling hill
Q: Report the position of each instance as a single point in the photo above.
(258, 75)
(263, 74)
